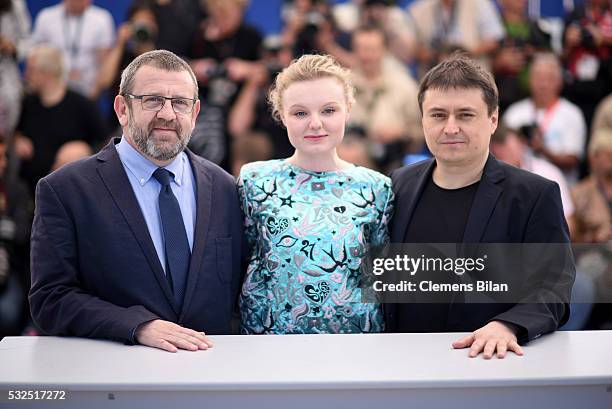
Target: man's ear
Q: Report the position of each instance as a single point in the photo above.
(121, 109)
(194, 114)
(494, 120)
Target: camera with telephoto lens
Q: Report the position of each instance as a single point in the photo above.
(7, 236)
(528, 131)
(216, 71)
(306, 40)
(141, 33)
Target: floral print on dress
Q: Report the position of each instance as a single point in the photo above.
(308, 232)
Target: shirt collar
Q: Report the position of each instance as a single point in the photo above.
(142, 168)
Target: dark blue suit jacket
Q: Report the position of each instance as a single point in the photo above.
(95, 271)
(510, 206)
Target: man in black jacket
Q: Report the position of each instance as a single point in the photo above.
(464, 195)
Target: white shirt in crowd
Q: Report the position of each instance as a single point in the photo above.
(563, 126)
(81, 38)
(549, 171)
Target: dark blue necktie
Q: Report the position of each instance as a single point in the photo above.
(176, 244)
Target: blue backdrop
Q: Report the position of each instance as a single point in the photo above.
(263, 14)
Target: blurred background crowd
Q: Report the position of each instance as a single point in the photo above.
(61, 61)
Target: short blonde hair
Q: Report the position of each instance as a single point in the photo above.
(309, 67)
(49, 59)
(220, 4)
(600, 140)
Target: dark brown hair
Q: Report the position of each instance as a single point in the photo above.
(460, 72)
(372, 28)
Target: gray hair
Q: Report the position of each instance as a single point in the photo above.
(49, 59)
(162, 59)
(547, 58)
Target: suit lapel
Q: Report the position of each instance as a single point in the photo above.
(407, 196)
(411, 191)
(116, 181)
(486, 197)
(203, 191)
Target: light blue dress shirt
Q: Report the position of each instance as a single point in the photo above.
(146, 188)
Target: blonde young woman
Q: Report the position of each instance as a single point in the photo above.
(310, 217)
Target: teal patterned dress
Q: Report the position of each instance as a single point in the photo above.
(308, 232)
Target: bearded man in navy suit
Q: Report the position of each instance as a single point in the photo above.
(464, 195)
(141, 242)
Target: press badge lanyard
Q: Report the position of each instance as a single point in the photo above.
(548, 116)
(72, 42)
(445, 27)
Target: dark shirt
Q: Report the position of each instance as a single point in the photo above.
(441, 215)
(244, 43)
(583, 87)
(112, 121)
(210, 138)
(527, 37)
(74, 118)
(177, 21)
(16, 209)
(277, 134)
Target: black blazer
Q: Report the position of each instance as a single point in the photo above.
(95, 271)
(510, 206)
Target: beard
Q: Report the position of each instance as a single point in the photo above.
(146, 143)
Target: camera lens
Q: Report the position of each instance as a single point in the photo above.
(142, 34)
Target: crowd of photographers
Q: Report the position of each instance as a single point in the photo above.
(61, 70)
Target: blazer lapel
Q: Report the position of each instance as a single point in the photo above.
(484, 202)
(408, 193)
(486, 198)
(203, 191)
(411, 191)
(116, 181)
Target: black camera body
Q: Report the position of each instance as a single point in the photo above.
(528, 131)
(7, 236)
(141, 33)
(216, 71)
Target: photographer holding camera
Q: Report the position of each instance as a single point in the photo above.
(558, 128)
(255, 134)
(15, 219)
(512, 146)
(14, 32)
(524, 36)
(84, 33)
(442, 26)
(222, 50)
(135, 37)
(587, 44)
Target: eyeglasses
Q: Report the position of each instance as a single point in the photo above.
(156, 103)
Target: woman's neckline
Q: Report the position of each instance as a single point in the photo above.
(314, 172)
